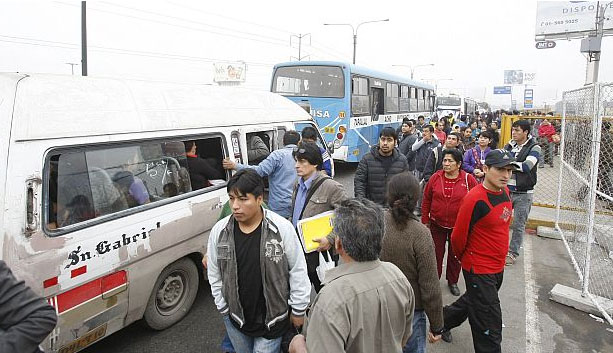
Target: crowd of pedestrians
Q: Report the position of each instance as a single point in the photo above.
(418, 195)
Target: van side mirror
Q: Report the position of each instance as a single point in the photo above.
(331, 147)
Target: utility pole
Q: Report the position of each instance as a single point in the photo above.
(300, 36)
(72, 65)
(591, 46)
(355, 31)
(83, 38)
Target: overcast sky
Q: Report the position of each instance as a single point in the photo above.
(470, 42)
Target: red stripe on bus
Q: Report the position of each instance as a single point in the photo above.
(114, 280)
(78, 271)
(50, 282)
(89, 290)
(76, 296)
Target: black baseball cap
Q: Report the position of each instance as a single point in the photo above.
(500, 158)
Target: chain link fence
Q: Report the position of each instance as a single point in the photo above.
(584, 204)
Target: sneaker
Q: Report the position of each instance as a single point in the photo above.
(510, 259)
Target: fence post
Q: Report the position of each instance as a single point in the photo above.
(562, 164)
(596, 133)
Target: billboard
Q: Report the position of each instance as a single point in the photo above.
(230, 72)
(528, 98)
(502, 89)
(513, 77)
(569, 19)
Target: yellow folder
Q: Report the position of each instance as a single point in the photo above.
(314, 227)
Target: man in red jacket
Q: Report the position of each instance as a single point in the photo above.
(480, 240)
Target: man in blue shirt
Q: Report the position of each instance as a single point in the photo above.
(279, 168)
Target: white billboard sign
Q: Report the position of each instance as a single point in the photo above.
(230, 72)
(569, 19)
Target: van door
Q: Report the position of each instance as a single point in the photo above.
(321, 142)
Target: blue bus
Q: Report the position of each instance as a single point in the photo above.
(351, 104)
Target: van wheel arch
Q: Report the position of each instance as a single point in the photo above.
(173, 294)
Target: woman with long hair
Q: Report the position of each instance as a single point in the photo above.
(408, 244)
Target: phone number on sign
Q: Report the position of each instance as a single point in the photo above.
(556, 23)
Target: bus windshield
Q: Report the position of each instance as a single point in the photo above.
(452, 101)
(309, 81)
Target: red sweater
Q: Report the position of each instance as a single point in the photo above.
(547, 131)
(437, 205)
(480, 238)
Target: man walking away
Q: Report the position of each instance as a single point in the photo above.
(480, 240)
(376, 167)
(279, 168)
(256, 270)
(525, 149)
(365, 305)
(409, 137)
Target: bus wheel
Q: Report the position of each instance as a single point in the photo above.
(173, 294)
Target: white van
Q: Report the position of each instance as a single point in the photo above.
(99, 210)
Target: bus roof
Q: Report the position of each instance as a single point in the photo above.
(56, 106)
(359, 70)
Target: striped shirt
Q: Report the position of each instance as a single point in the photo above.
(527, 165)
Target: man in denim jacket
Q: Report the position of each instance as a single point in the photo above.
(256, 269)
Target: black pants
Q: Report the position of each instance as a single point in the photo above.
(481, 305)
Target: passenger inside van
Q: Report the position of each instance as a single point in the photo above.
(257, 149)
(132, 188)
(79, 209)
(200, 171)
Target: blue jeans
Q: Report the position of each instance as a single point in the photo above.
(246, 344)
(521, 209)
(417, 341)
(226, 344)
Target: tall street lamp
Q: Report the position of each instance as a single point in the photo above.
(412, 68)
(355, 31)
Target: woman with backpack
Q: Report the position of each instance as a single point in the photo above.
(443, 196)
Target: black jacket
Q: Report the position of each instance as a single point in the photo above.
(25, 318)
(405, 148)
(371, 176)
(422, 154)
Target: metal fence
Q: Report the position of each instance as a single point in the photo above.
(584, 202)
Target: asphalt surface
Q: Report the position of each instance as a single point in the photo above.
(532, 322)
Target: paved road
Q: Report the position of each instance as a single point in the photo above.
(532, 322)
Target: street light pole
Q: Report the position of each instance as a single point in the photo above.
(354, 30)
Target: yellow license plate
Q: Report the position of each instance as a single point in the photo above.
(85, 340)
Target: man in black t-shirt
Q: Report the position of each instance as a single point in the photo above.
(256, 269)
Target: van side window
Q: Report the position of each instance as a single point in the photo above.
(258, 146)
(91, 182)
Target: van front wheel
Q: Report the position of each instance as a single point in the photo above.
(173, 294)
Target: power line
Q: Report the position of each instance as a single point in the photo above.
(64, 45)
(280, 43)
(188, 20)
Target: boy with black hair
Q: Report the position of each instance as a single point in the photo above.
(376, 167)
(309, 134)
(257, 307)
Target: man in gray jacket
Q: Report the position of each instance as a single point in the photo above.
(25, 318)
(365, 305)
(256, 269)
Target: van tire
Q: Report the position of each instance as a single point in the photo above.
(173, 294)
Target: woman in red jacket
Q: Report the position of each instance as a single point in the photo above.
(442, 199)
(545, 139)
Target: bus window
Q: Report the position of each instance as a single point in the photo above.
(391, 97)
(90, 182)
(413, 100)
(309, 81)
(359, 96)
(404, 99)
(420, 100)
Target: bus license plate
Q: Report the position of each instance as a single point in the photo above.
(84, 341)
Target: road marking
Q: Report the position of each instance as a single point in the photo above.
(533, 333)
